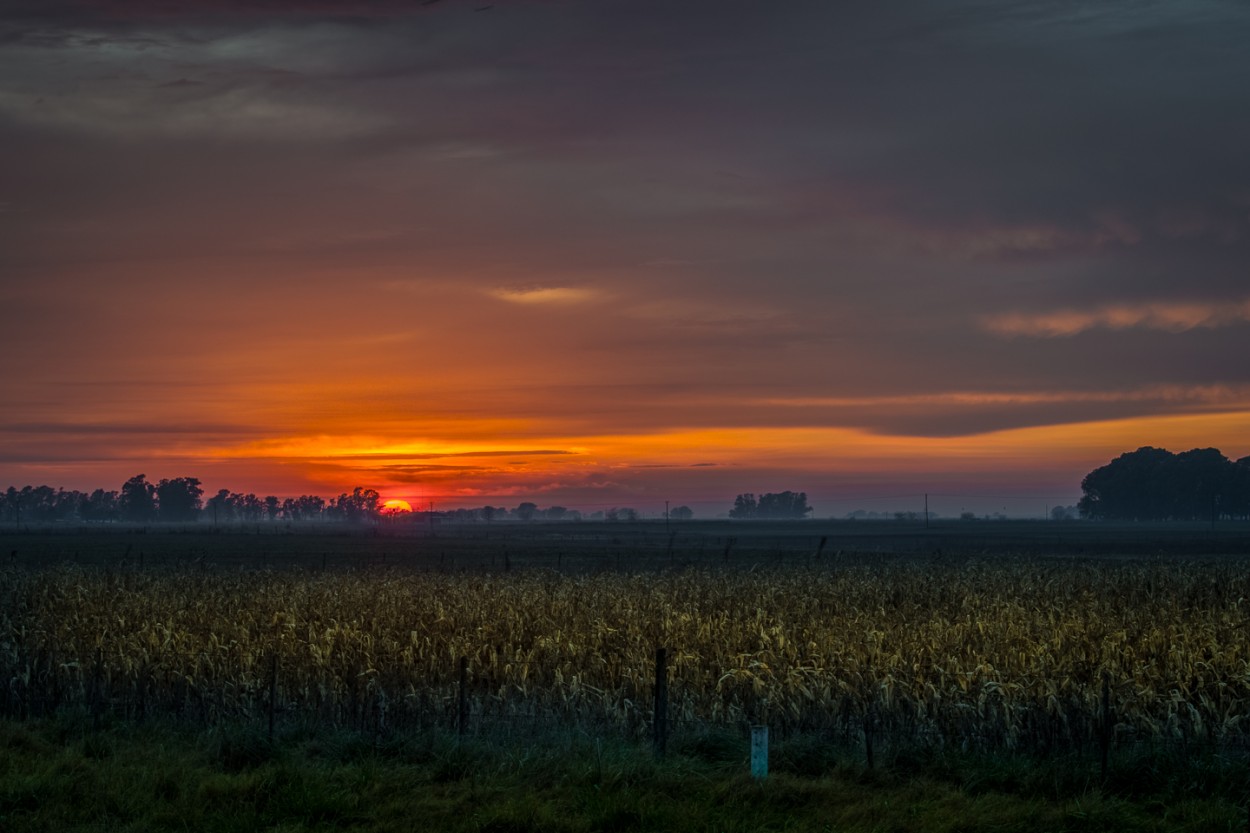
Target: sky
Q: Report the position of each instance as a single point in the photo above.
(616, 253)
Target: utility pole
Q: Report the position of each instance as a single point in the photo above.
(666, 516)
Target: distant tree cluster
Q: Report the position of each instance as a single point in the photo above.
(526, 511)
(181, 500)
(1153, 484)
(138, 500)
(782, 505)
(906, 516)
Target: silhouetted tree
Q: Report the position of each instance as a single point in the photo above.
(779, 505)
(137, 500)
(1238, 503)
(526, 511)
(303, 508)
(1155, 484)
(249, 507)
(360, 506)
(681, 513)
(783, 505)
(13, 504)
(40, 503)
(220, 507)
(745, 506)
(623, 513)
(100, 506)
(179, 499)
(311, 507)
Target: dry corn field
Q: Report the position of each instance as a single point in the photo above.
(996, 655)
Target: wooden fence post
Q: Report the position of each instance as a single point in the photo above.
(660, 719)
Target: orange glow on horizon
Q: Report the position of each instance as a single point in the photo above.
(395, 506)
(722, 458)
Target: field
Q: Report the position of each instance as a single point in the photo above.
(870, 648)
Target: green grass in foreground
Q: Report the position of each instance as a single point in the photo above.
(62, 776)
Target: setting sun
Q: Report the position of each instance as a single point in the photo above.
(691, 312)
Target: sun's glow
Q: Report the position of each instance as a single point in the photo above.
(394, 506)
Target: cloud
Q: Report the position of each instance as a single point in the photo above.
(547, 452)
(247, 112)
(121, 11)
(557, 295)
(970, 413)
(1213, 394)
(1168, 317)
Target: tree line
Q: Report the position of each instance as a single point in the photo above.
(182, 500)
(770, 505)
(1153, 484)
(177, 500)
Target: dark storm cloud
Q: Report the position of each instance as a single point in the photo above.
(75, 12)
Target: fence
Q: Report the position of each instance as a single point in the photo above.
(469, 702)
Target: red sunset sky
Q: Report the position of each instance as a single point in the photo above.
(614, 253)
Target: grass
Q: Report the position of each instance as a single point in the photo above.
(62, 775)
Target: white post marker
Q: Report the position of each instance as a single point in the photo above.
(759, 752)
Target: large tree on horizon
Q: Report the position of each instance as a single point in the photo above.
(1153, 484)
(178, 500)
(137, 500)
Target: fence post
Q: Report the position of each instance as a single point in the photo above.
(759, 752)
(660, 720)
(462, 698)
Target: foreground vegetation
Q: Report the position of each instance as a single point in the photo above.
(63, 775)
(195, 690)
(1006, 654)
